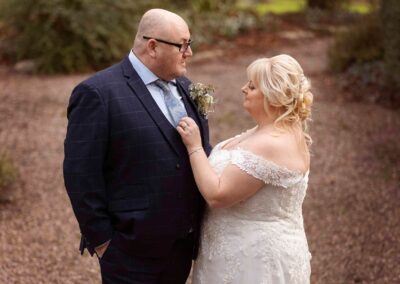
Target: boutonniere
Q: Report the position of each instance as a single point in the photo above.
(202, 96)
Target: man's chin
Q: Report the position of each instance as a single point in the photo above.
(182, 72)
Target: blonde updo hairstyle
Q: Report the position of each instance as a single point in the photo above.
(284, 86)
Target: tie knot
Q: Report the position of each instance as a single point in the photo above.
(175, 107)
(163, 85)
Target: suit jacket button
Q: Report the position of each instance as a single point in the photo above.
(178, 166)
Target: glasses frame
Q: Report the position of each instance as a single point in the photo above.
(179, 45)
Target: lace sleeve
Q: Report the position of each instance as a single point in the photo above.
(264, 170)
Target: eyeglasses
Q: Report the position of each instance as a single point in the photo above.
(183, 47)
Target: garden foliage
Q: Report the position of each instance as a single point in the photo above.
(363, 42)
(390, 14)
(67, 35)
(368, 54)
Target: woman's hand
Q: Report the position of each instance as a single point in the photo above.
(190, 133)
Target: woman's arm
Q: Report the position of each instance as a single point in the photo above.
(233, 186)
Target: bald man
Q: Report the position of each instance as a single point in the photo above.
(126, 170)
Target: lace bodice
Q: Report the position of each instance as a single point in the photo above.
(261, 239)
(284, 189)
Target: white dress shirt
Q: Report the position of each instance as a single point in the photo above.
(149, 78)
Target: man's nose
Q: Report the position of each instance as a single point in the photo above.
(188, 52)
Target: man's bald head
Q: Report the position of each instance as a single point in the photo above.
(160, 51)
(156, 23)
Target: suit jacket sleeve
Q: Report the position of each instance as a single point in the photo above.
(85, 154)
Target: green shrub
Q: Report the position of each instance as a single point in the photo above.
(68, 35)
(365, 81)
(65, 36)
(219, 27)
(212, 21)
(362, 42)
(390, 14)
(204, 6)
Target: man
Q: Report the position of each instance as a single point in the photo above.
(126, 170)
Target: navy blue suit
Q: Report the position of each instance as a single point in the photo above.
(126, 169)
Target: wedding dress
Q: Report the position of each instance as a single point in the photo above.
(262, 239)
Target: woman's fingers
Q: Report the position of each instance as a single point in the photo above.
(184, 123)
(180, 130)
(188, 121)
(189, 131)
(184, 130)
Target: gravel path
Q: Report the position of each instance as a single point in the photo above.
(351, 213)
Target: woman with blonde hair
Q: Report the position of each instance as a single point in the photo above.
(255, 183)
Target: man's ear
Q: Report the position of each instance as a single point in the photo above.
(151, 47)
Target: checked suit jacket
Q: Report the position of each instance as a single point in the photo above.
(126, 170)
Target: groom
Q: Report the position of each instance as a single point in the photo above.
(126, 170)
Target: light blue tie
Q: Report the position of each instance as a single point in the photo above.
(175, 108)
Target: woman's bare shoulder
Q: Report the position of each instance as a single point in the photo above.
(282, 148)
(269, 143)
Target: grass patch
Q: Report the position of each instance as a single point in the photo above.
(358, 8)
(278, 7)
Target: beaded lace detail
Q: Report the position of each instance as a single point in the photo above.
(264, 170)
(262, 239)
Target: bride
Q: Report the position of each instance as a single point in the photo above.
(255, 183)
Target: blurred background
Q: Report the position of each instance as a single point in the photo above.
(350, 49)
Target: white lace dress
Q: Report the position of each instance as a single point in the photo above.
(262, 239)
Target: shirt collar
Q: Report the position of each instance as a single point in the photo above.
(145, 74)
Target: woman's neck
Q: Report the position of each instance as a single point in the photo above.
(265, 121)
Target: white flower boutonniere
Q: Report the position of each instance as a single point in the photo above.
(202, 96)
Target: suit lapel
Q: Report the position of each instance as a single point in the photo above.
(142, 93)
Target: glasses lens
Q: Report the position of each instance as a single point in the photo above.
(185, 46)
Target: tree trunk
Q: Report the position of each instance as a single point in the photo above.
(390, 13)
(327, 4)
(319, 4)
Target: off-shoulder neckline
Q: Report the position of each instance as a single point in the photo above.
(238, 148)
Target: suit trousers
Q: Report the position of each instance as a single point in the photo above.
(118, 267)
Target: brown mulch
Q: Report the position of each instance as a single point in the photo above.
(351, 211)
